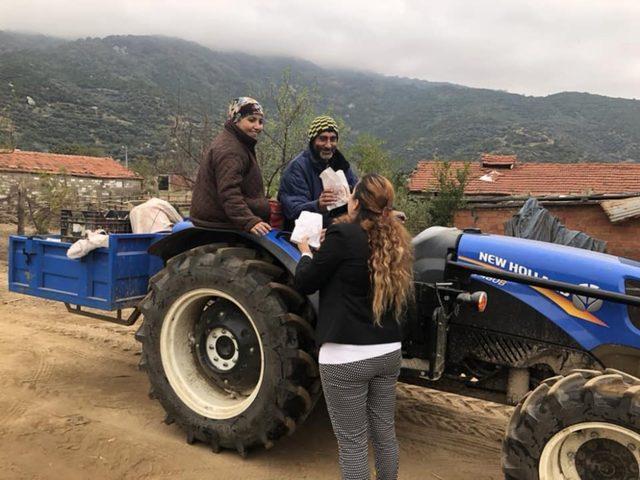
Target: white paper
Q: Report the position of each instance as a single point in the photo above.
(308, 224)
(336, 181)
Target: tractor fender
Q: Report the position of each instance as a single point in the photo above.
(275, 243)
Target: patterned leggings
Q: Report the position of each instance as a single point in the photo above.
(361, 399)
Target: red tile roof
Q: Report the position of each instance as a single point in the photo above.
(538, 178)
(55, 163)
(501, 161)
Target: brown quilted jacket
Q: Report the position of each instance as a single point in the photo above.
(229, 192)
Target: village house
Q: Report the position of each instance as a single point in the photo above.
(600, 199)
(172, 182)
(89, 176)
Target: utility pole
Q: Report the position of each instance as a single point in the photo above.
(126, 156)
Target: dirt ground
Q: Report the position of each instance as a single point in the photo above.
(74, 405)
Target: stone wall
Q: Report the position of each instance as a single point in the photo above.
(622, 238)
(85, 186)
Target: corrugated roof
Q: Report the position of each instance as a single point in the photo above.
(623, 209)
(54, 163)
(538, 178)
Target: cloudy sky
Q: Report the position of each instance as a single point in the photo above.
(534, 47)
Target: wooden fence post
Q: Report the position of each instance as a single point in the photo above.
(20, 210)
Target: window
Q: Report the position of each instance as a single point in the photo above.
(163, 182)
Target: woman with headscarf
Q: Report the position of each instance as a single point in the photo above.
(363, 271)
(229, 192)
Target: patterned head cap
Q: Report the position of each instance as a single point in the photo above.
(323, 123)
(243, 106)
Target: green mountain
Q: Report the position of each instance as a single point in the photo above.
(124, 91)
(10, 42)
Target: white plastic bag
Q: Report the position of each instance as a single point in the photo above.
(336, 181)
(82, 247)
(308, 224)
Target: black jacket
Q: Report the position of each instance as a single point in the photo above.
(340, 270)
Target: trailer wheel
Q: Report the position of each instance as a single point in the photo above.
(583, 426)
(228, 349)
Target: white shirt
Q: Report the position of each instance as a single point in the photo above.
(336, 353)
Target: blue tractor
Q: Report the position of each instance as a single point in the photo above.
(227, 342)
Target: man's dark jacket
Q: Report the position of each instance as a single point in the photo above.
(229, 192)
(301, 186)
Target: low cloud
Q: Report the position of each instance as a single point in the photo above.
(530, 47)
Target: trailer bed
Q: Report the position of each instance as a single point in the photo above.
(110, 278)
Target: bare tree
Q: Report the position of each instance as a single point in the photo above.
(54, 194)
(290, 110)
(286, 126)
(189, 141)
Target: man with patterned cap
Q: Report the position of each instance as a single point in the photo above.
(229, 192)
(300, 186)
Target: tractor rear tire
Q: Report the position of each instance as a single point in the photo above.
(228, 348)
(585, 425)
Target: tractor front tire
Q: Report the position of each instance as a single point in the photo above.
(582, 426)
(228, 348)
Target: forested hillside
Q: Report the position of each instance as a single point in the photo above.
(125, 91)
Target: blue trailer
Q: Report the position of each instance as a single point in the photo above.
(111, 279)
(229, 350)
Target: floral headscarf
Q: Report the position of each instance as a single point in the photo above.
(243, 106)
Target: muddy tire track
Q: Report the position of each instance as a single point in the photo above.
(452, 413)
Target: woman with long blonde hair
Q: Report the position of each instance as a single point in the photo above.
(363, 271)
